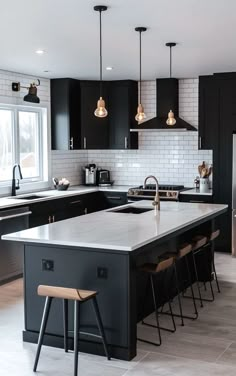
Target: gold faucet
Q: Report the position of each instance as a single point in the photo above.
(156, 202)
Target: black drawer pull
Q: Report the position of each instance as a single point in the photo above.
(113, 198)
(197, 202)
(75, 202)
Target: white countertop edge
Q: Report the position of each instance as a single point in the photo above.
(194, 191)
(101, 246)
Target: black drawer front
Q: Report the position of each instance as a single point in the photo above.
(113, 199)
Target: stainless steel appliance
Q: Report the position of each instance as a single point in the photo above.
(103, 177)
(90, 172)
(166, 192)
(234, 199)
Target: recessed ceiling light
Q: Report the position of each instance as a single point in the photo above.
(109, 68)
(40, 52)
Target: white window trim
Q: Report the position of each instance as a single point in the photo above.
(45, 136)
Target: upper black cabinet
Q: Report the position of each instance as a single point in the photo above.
(123, 98)
(74, 125)
(94, 130)
(65, 114)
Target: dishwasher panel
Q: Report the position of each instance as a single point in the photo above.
(11, 254)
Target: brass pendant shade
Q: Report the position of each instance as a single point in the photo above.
(171, 116)
(100, 111)
(140, 116)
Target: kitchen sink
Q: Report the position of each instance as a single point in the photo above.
(32, 197)
(131, 210)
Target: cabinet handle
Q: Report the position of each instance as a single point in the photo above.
(15, 215)
(53, 218)
(197, 202)
(75, 202)
(72, 143)
(85, 143)
(49, 219)
(200, 142)
(126, 143)
(113, 198)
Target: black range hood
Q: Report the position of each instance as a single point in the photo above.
(167, 98)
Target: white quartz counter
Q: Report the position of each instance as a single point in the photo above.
(119, 231)
(194, 191)
(52, 194)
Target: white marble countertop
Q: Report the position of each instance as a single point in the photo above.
(194, 191)
(119, 231)
(52, 194)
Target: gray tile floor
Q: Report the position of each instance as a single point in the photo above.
(204, 347)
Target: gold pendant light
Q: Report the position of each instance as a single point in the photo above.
(100, 111)
(171, 116)
(140, 110)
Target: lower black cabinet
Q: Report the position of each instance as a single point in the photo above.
(113, 199)
(196, 198)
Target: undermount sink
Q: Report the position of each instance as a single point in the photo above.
(131, 210)
(32, 197)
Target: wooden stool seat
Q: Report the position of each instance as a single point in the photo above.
(159, 267)
(214, 235)
(198, 242)
(65, 293)
(184, 250)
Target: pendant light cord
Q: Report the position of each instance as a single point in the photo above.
(170, 61)
(100, 53)
(140, 65)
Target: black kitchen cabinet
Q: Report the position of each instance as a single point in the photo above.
(94, 130)
(196, 198)
(217, 123)
(56, 210)
(65, 114)
(113, 199)
(123, 99)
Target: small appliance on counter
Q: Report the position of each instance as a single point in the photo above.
(103, 178)
(90, 174)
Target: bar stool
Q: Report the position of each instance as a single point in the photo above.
(209, 243)
(79, 297)
(183, 252)
(153, 270)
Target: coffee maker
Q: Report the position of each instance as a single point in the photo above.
(90, 173)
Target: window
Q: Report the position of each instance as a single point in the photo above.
(22, 141)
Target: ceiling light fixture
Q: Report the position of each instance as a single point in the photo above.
(109, 68)
(171, 116)
(32, 94)
(40, 52)
(140, 110)
(101, 109)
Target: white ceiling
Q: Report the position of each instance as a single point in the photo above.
(68, 31)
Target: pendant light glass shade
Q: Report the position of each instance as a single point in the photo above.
(140, 116)
(171, 116)
(140, 113)
(100, 111)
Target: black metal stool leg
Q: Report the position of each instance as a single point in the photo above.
(172, 316)
(178, 294)
(156, 309)
(191, 287)
(197, 279)
(76, 335)
(216, 278)
(65, 319)
(46, 311)
(100, 326)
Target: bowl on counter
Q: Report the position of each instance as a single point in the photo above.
(61, 187)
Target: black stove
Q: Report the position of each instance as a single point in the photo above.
(166, 192)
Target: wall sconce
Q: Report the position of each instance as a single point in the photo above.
(32, 94)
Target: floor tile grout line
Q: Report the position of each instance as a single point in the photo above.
(224, 351)
(137, 363)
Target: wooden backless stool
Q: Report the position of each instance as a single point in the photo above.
(79, 297)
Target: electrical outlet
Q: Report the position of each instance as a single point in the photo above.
(102, 272)
(48, 265)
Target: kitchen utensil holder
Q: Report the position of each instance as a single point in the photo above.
(204, 184)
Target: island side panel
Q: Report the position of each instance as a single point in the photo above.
(78, 268)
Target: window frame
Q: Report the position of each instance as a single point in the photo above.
(41, 181)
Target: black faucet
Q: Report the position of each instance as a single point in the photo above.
(15, 182)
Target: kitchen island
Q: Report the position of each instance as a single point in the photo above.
(101, 251)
